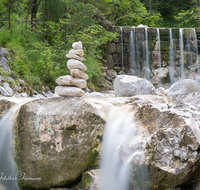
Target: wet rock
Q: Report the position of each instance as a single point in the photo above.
(125, 85)
(69, 91)
(185, 86)
(61, 137)
(75, 64)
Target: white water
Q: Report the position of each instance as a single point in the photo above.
(138, 53)
(122, 47)
(120, 137)
(132, 52)
(147, 73)
(8, 168)
(182, 74)
(196, 50)
(159, 53)
(171, 56)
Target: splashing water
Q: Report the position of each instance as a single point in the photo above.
(8, 168)
(171, 56)
(182, 74)
(120, 139)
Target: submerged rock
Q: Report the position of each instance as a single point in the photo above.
(185, 86)
(125, 85)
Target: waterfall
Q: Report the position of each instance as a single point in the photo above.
(8, 168)
(120, 137)
(147, 70)
(159, 53)
(122, 48)
(133, 65)
(181, 54)
(196, 50)
(171, 56)
(138, 53)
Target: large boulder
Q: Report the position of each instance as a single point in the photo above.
(185, 86)
(125, 85)
(57, 139)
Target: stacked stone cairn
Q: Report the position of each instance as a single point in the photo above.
(72, 85)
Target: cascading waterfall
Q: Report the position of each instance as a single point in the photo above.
(132, 52)
(138, 53)
(182, 74)
(159, 53)
(196, 50)
(8, 168)
(120, 137)
(147, 70)
(122, 47)
(171, 71)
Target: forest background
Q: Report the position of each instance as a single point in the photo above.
(38, 33)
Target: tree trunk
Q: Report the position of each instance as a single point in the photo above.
(34, 9)
(150, 6)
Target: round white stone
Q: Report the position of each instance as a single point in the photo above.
(78, 73)
(75, 64)
(69, 91)
(71, 81)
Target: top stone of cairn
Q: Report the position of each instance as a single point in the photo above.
(77, 45)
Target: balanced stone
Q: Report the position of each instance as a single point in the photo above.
(69, 91)
(77, 52)
(74, 56)
(75, 64)
(78, 73)
(71, 81)
(77, 45)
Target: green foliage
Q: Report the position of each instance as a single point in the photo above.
(132, 13)
(189, 18)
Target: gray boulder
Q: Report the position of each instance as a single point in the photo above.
(125, 85)
(185, 86)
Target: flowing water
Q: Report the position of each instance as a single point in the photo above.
(196, 50)
(182, 74)
(133, 64)
(120, 136)
(122, 48)
(171, 56)
(147, 70)
(159, 52)
(8, 168)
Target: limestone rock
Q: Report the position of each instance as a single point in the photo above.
(77, 45)
(75, 64)
(7, 88)
(60, 137)
(185, 86)
(5, 64)
(69, 91)
(71, 81)
(79, 73)
(77, 52)
(74, 56)
(3, 91)
(125, 85)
